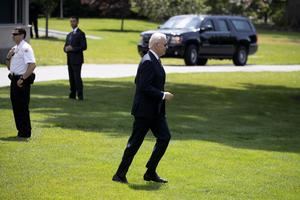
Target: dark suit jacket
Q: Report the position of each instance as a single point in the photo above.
(150, 81)
(78, 41)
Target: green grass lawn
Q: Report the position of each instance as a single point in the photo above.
(120, 47)
(114, 47)
(234, 136)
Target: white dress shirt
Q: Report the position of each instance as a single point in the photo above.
(75, 29)
(22, 57)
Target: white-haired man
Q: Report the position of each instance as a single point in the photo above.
(149, 111)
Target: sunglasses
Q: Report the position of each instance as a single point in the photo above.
(14, 34)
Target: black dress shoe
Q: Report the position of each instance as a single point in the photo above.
(72, 96)
(120, 179)
(154, 177)
(80, 98)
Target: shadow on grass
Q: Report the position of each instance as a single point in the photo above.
(258, 117)
(14, 139)
(147, 186)
(49, 39)
(117, 30)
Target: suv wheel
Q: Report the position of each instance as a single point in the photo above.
(202, 61)
(191, 55)
(241, 56)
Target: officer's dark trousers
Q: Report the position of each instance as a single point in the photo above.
(76, 85)
(141, 126)
(20, 97)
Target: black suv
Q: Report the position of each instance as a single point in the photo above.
(197, 38)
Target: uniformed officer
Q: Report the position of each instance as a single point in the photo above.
(20, 61)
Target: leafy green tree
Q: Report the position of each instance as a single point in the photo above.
(217, 6)
(47, 8)
(293, 13)
(111, 8)
(256, 9)
(260, 9)
(231, 7)
(162, 9)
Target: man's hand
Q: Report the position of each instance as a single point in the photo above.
(168, 96)
(10, 53)
(69, 48)
(20, 83)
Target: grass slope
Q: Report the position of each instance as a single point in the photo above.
(235, 136)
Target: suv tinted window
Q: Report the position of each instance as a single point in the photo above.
(208, 23)
(241, 25)
(222, 25)
(181, 22)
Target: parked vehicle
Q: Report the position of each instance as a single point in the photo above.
(197, 38)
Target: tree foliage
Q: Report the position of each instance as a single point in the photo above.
(47, 8)
(264, 10)
(162, 9)
(292, 13)
(110, 8)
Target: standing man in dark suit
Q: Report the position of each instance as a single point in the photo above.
(149, 111)
(74, 47)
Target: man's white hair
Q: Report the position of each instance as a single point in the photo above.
(155, 38)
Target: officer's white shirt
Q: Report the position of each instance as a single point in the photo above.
(22, 57)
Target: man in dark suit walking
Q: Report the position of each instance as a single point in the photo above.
(149, 111)
(74, 47)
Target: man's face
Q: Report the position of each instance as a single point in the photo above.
(73, 22)
(162, 46)
(16, 36)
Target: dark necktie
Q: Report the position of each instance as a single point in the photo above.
(70, 37)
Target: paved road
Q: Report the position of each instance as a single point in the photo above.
(48, 73)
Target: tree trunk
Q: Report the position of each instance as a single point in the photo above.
(47, 20)
(61, 9)
(122, 24)
(266, 17)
